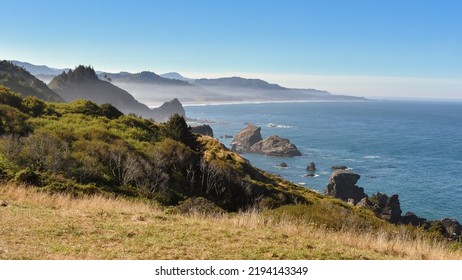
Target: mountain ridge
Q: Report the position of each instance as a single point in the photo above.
(151, 88)
(83, 83)
(20, 80)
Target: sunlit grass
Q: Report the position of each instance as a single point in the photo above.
(36, 225)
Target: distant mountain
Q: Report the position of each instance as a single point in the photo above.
(153, 89)
(142, 77)
(255, 90)
(38, 69)
(176, 76)
(20, 80)
(238, 82)
(83, 83)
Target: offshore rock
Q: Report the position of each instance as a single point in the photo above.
(203, 130)
(246, 138)
(342, 185)
(311, 167)
(249, 140)
(275, 146)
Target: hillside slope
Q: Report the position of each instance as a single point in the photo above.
(83, 83)
(20, 80)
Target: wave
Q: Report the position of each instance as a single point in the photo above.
(272, 125)
(371, 157)
(309, 175)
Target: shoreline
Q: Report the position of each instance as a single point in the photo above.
(201, 104)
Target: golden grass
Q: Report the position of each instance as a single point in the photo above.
(37, 225)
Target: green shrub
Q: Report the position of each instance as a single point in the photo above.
(27, 176)
(199, 205)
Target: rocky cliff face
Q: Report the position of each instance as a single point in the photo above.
(386, 207)
(342, 185)
(249, 140)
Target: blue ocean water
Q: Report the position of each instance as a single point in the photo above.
(412, 148)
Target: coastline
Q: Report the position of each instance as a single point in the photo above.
(201, 104)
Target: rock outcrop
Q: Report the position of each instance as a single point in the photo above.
(249, 140)
(246, 138)
(452, 227)
(203, 130)
(275, 146)
(168, 109)
(412, 219)
(342, 185)
(392, 211)
(387, 208)
(311, 167)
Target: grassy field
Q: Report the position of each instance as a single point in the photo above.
(37, 225)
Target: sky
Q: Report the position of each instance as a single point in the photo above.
(405, 48)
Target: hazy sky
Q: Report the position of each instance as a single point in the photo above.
(367, 48)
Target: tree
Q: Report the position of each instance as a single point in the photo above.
(177, 129)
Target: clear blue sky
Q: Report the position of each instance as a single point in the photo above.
(387, 48)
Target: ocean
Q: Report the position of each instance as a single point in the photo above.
(410, 148)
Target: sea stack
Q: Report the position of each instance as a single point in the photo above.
(249, 140)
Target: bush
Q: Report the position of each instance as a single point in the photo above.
(199, 205)
(110, 111)
(10, 98)
(27, 176)
(13, 121)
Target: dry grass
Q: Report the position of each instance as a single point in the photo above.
(36, 225)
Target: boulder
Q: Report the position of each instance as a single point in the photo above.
(452, 227)
(275, 146)
(3, 203)
(309, 175)
(203, 130)
(342, 185)
(311, 167)
(283, 164)
(246, 138)
(363, 202)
